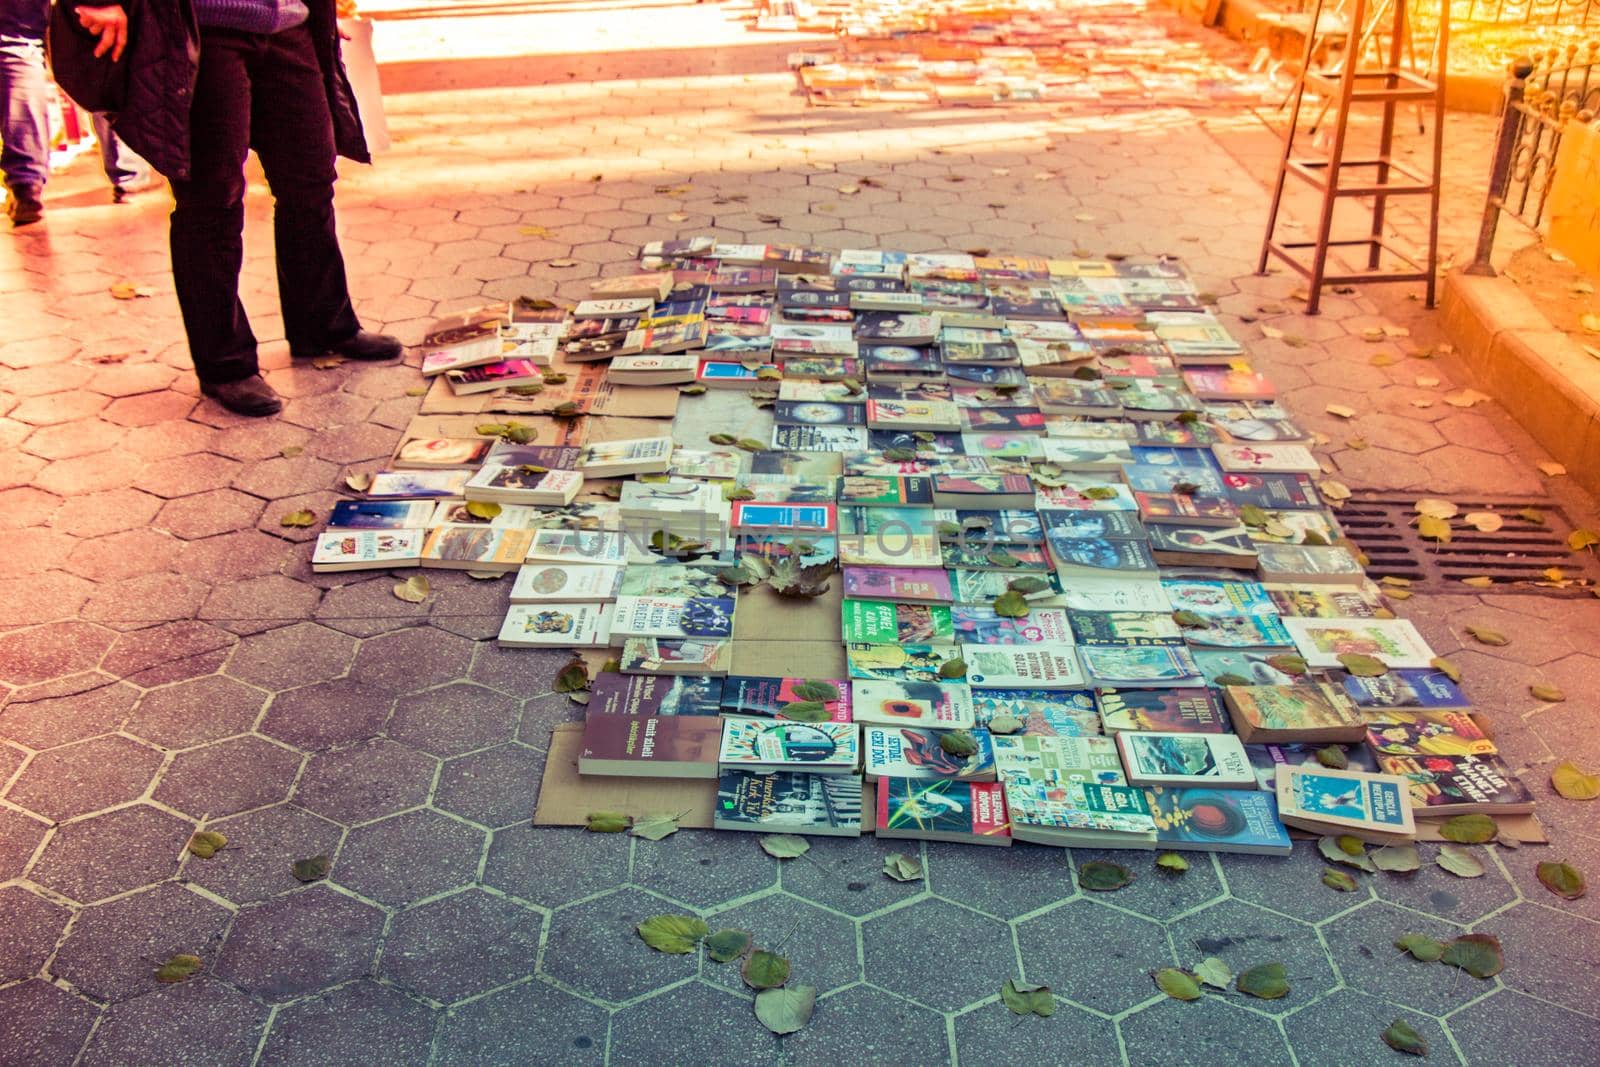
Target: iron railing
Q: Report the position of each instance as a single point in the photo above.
(1543, 94)
(1564, 13)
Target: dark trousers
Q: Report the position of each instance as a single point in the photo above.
(263, 92)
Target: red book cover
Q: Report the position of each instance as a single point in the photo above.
(675, 746)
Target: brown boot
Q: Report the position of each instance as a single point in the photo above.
(24, 206)
(247, 396)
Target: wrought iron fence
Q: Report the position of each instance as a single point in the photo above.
(1544, 93)
(1526, 12)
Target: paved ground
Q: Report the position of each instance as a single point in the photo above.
(168, 659)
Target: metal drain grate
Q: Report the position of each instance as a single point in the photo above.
(1514, 557)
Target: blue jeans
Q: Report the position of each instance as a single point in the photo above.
(24, 124)
(124, 169)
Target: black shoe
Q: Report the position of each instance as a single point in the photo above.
(24, 207)
(247, 396)
(363, 346)
(120, 195)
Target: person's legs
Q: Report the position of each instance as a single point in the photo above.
(124, 170)
(24, 125)
(208, 219)
(292, 133)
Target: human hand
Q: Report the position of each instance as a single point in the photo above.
(111, 24)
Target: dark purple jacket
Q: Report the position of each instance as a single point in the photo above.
(24, 18)
(163, 56)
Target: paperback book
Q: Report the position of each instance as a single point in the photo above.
(650, 746)
(1185, 760)
(782, 745)
(1193, 710)
(789, 802)
(942, 810)
(1218, 820)
(1373, 807)
(771, 697)
(915, 753)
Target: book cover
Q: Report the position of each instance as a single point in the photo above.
(1270, 491)
(780, 744)
(890, 548)
(1190, 507)
(1099, 557)
(1056, 713)
(1366, 805)
(1423, 690)
(819, 438)
(1267, 758)
(1309, 602)
(670, 580)
(1151, 667)
(943, 810)
(1309, 712)
(1426, 733)
(654, 694)
(799, 518)
(789, 802)
(1195, 710)
(395, 485)
(1039, 757)
(886, 622)
(980, 624)
(818, 413)
(911, 663)
(1014, 559)
(1455, 785)
(358, 549)
(1218, 820)
(1394, 641)
(1218, 598)
(981, 587)
(1090, 814)
(662, 616)
(441, 453)
(1131, 629)
(1239, 631)
(945, 705)
(576, 546)
(382, 514)
(485, 548)
(925, 584)
(651, 746)
(523, 485)
(1032, 666)
(885, 491)
(1115, 594)
(1202, 545)
(560, 624)
(1275, 458)
(654, 655)
(768, 697)
(1093, 525)
(1186, 760)
(914, 753)
(605, 459)
(565, 581)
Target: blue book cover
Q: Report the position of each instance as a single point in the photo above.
(1052, 712)
(1139, 668)
(1240, 631)
(380, 514)
(1158, 478)
(1350, 799)
(1218, 820)
(1403, 689)
(1252, 664)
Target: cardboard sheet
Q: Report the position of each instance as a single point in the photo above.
(566, 798)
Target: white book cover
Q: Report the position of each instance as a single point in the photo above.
(945, 706)
(537, 582)
(671, 498)
(641, 455)
(1115, 594)
(351, 549)
(1395, 642)
(811, 331)
(510, 516)
(494, 481)
(562, 624)
(1185, 759)
(1244, 457)
(615, 307)
(1042, 666)
(576, 546)
(393, 485)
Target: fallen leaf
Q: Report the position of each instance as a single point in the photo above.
(485, 576)
(483, 509)
(1396, 859)
(1427, 381)
(1547, 693)
(298, 519)
(673, 934)
(958, 743)
(725, 945)
(953, 668)
(786, 1011)
(1011, 605)
(1433, 507)
(1334, 852)
(902, 868)
(1213, 972)
(311, 869)
(607, 822)
(1459, 862)
(562, 263)
(129, 291)
(206, 843)
(1477, 954)
(1333, 757)
(1483, 521)
(1466, 398)
(1025, 999)
(1266, 981)
(1005, 725)
(655, 827)
(1098, 876)
(573, 678)
(784, 846)
(1572, 783)
(1176, 984)
(1403, 1037)
(1533, 515)
(414, 590)
(1478, 582)
(1333, 490)
(1472, 829)
(1420, 946)
(1582, 538)
(1552, 470)
(1362, 665)
(1562, 879)
(1486, 636)
(1341, 410)
(1446, 668)
(765, 970)
(1171, 861)
(178, 968)
(1338, 880)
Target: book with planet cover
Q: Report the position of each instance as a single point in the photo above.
(650, 746)
(1059, 713)
(757, 697)
(1373, 807)
(886, 622)
(1194, 710)
(783, 745)
(1218, 820)
(915, 753)
(942, 810)
(1184, 759)
(789, 802)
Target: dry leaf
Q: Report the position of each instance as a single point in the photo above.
(1571, 782)
(129, 291)
(1483, 521)
(1552, 469)
(1341, 410)
(1433, 507)
(414, 590)
(359, 482)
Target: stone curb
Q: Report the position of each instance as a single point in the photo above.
(1505, 347)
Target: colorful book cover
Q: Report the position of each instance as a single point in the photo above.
(982, 587)
(1130, 629)
(768, 697)
(1093, 525)
(1448, 784)
(1239, 631)
(1395, 642)
(886, 622)
(659, 616)
(1218, 820)
(654, 694)
(670, 580)
(565, 581)
(1271, 491)
(936, 705)
(897, 584)
(470, 547)
(1283, 708)
(1187, 760)
(1100, 557)
(911, 663)
(1421, 690)
(1328, 799)
(382, 514)
(1151, 667)
(980, 624)
(820, 747)
(1427, 733)
(1011, 558)
(1218, 598)
(914, 753)
(1056, 713)
(651, 655)
(353, 549)
(798, 518)
(1071, 805)
(1040, 757)
(397, 485)
(885, 491)
(562, 624)
(944, 808)
(1325, 603)
(1033, 666)
(1195, 710)
(789, 802)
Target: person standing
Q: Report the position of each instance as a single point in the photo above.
(262, 74)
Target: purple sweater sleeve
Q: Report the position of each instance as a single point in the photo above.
(250, 16)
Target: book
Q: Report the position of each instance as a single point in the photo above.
(789, 802)
(537, 582)
(1427, 733)
(670, 580)
(717, 374)
(1089, 758)
(1012, 559)
(1159, 667)
(510, 454)
(886, 622)
(1195, 710)
(1459, 785)
(650, 746)
(440, 453)
(1129, 629)
(768, 697)
(885, 491)
(750, 515)
(655, 655)
(382, 515)
(356, 549)
(1270, 492)
(817, 413)
(654, 285)
(782, 745)
(664, 616)
(1238, 631)
(981, 624)
(1031, 666)
(1093, 525)
(942, 810)
(914, 753)
(1373, 807)
(1277, 458)
(890, 548)
(945, 705)
(485, 377)
(911, 663)
(1218, 820)
(1185, 759)
(612, 459)
(576, 546)
(398, 485)
(912, 415)
(1183, 545)
(1266, 759)
(1238, 381)
(1311, 712)
(1215, 598)
(522, 484)
(559, 625)
(1115, 594)
(1395, 642)
(981, 587)
(1326, 602)
(654, 368)
(476, 548)
(1057, 713)
(654, 694)
(712, 464)
(1193, 509)
(1099, 558)
(1426, 690)
(925, 584)
(982, 491)
(793, 438)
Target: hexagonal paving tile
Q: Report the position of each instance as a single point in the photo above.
(519, 672)
(196, 711)
(292, 656)
(408, 857)
(198, 1021)
(32, 927)
(1243, 936)
(1279, 884)
(168, 653)
(522, 862)
(522, 1025)
(262, 846)
(453, 719)
(1543, 1035)
(703, 1025)
(299, 943)
(362, 1022)
(1093, 955)
(411, 659)
(228, 777)
(85, 776)
(87, 706)
(495, 787)
(327, 714)
(114, 949)
(41, 653)
(464, 944)
(703, 868)
(991, 1034)
(1436, 892)
(20, 834)
(868, 1024)
(1167, 1033)
(821, 945)
(846, 874)
(1322, 1032)
(365, 781)
(102, 855)
(1003, 881)
(40, 1023)
(1361, 945)
(592, 947)
(900, 949)
(208, 514)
